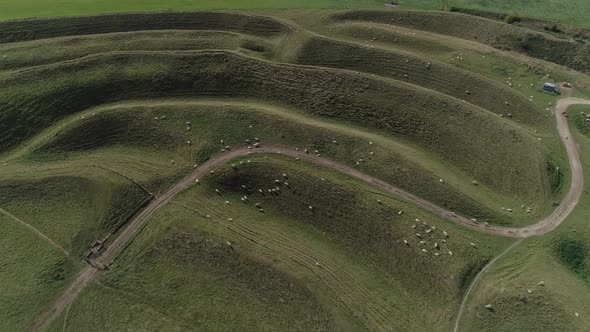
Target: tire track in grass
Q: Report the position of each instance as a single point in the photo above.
(345, 287)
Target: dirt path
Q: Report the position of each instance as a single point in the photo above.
(138, 222)
(36, 231)
(563, 210)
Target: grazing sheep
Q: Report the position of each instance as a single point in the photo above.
(406, 242)
(473, 245)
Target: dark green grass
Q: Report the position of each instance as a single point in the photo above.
(415, 70)
(573, 254)
(497, 34)
(18, 55)
(101, 130)
(579, 118)
(14, 31)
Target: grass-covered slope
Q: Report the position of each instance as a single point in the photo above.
(97, 115)
(188, 132)
(14, 31)
(32, 274)
(192, 280)
(422, 72)
(27, 54)
(567, 52)
(559, 261)
(568, 12)
(351, 256)
(447, 128)
(71, 208)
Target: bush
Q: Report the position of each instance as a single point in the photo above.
(512, 18)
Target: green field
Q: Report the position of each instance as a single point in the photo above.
(567, 11)
(102, 117)
(12, 9)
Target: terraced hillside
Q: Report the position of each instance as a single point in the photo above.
(324, 183)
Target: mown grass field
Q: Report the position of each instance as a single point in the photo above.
(100, 114)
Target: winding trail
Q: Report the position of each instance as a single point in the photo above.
(139, 221)
(569, 202)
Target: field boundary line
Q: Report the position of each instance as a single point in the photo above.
(36, 231)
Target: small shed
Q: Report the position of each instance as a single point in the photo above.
(550, 87)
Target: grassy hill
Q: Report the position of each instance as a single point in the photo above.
(559, 260)
(568, 11)
(346, 254)
(100, 115)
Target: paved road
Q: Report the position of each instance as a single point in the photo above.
(138, 222)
